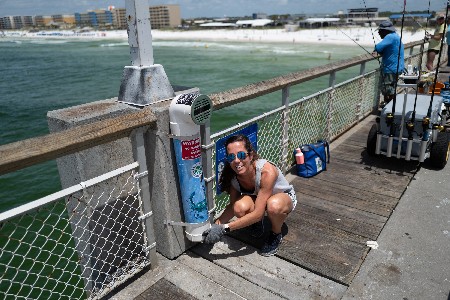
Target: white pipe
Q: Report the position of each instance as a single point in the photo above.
(408, 149)
(434, 134)
(423, 148)
(378, 145)
(389, 146)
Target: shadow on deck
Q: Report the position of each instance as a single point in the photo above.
(338, 211)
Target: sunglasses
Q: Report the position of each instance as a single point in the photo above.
(241, 155)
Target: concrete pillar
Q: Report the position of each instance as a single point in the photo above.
(85, 216)
(99, 223)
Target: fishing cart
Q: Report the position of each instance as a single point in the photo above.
(413, 126)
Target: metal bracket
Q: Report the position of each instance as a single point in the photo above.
(140, 175)
(180, 137)
(143, 217)
(173, 223)
(209, 179)
(147, 249)
(207, 147)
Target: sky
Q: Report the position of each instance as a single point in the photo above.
(219, 8)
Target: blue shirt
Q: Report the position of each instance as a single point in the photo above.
(447, 35)
(388, 48)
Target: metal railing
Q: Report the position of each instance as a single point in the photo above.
(84, 241)
(81, 242)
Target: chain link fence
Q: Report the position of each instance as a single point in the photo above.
(322, 116)
(75, 244)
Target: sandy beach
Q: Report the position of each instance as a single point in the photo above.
(363, 36)
(358, 35)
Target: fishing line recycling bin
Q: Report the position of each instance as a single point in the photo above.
(187, 112)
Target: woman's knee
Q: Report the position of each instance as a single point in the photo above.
(243, 206)
(279, 205)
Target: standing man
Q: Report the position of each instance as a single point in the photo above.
(435, 41)
(393, 61)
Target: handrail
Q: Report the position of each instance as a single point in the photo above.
(21, 154)
(253, 90)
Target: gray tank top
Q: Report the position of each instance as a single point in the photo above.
(281, 184)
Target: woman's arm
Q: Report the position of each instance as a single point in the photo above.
(228, 212)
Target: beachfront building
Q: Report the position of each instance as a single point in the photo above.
(5, 23)
(95, 18)
(43, 21)
(16, 22)
(63, 21)
(161, 16)
(259, 16)
(318, 22)
(119, 18)
(165, 16)
(363, 16)
(254, 23)
(409, 19)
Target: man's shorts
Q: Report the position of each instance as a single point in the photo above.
(387, 84)
(433, 50)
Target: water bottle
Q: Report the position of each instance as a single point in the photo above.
(299, 158)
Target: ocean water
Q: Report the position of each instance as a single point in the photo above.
(40, 75)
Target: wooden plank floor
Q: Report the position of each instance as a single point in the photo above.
(341, 209)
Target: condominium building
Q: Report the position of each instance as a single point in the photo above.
(94, 18)
(16, 22)
(64, 20)
(161, 16)
(43, 21)
(120, 18)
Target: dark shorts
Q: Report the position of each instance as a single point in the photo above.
(433, 50)
(387, 84)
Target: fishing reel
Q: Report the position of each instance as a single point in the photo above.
(389, 119)
(410, 129)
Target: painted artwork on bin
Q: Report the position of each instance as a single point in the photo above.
(190, 175)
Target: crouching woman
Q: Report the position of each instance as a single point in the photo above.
(256, 187)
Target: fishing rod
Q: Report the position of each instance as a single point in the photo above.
(356, 42)
(390, 117)
(370, 26)
(376, 57)
(439, 61)
(410, 124)
(371, 32)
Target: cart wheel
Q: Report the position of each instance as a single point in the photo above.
(439, 151)
(372, 140)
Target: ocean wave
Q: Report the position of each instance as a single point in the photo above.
(46, 42)
(114, 44)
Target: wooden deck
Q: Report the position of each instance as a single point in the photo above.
(338, 211)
